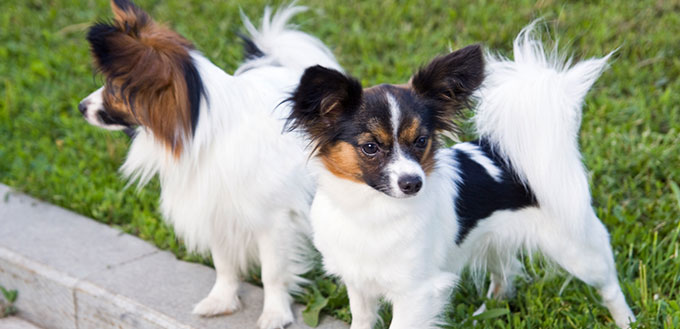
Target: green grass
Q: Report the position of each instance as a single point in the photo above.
(9, 297)
(630, 135)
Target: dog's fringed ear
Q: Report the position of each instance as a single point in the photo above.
(149, 68)
(322, 96)
(449, 81)
(128, 16)
(113, 42)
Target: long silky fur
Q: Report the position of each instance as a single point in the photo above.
(530, 110)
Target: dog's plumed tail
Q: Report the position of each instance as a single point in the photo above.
(277, 42)
(530, 111)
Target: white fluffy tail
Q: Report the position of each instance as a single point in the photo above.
(530, 110)
(283, 45)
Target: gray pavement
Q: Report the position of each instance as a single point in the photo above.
(73, 272)
(13, 322)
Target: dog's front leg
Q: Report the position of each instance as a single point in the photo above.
(223, 297)
(423, 306)
(364, 307)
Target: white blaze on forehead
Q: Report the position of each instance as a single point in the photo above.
(395, 114)
(400, 165)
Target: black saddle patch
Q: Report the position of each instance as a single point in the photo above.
(480, 195)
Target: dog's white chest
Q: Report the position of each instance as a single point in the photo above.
(377, 240)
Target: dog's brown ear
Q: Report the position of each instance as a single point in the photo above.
(149, 69)
(132, 34)
(320, 99)
(449, 81)
(128, 16)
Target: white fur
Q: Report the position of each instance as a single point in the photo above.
(395, 114)
(404, 249)
(286, 46)
(401, 165)
(93, 104)
(240, 189)
(530, 110)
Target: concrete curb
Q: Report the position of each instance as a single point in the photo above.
(13, 322)
(73, 272)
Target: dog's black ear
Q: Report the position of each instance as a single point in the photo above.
(449, 81)
(320, 99)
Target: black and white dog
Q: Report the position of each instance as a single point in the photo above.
(398, 216)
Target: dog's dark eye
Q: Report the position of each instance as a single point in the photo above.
(370, 148)
(421, 142)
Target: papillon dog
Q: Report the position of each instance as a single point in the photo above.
(398, 216)
(231, 183)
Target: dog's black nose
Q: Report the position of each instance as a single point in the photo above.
(82, 107)
(410, 184)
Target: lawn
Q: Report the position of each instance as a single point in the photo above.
(630, 135)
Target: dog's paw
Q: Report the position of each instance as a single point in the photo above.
(479, 311)
(275, 319)
(211, 306)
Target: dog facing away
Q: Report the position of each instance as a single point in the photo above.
(398, 216)
(231, 184)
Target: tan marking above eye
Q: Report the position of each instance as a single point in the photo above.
(379, 131)
(410, 132)
(364, 138)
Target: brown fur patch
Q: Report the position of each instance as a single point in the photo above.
(410, 132)
(115, 106)
(364, 138)
(380, 132)
(145, 75)
(427, 159)
(342, 161)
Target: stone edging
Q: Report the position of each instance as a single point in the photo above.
(73, 272)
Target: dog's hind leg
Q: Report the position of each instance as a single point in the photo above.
(586, 253)
(503, 271)
(502, 275)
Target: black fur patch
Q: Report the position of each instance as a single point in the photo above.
(195, 90)
(250, 49)
(322, 98)
(98, 36)
(111, 119)
(448, 81)
(479, 195)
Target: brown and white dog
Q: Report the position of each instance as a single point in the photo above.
(231, 184)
